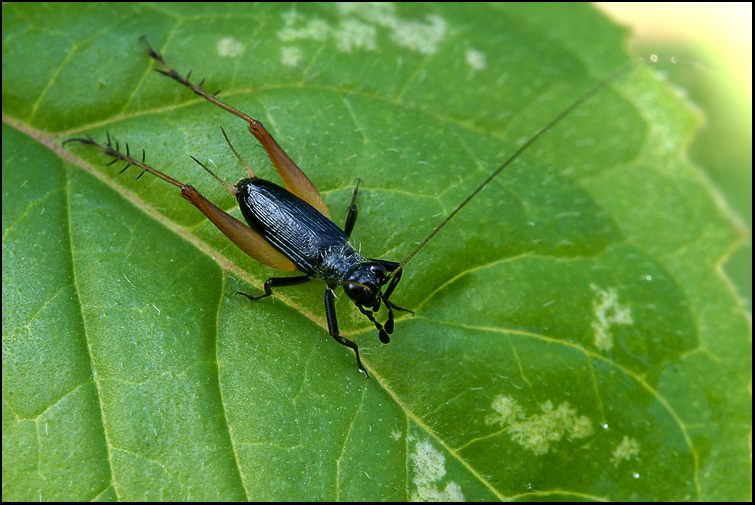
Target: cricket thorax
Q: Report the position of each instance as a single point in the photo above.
(336, 262)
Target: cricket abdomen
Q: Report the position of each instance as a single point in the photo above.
(295, 228)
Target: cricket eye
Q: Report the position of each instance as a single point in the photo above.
(377, 270)
(356, 291)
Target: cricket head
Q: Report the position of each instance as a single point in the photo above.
(364, 286)
(364, 283)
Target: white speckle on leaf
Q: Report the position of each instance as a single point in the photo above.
(315, 29)
(291, 17)
(476, 59)
(627, 449)
(608, 312)
(429, 463)
(507, 411)
(229, 47)
(353, 34)
(539, 432)
(357, 29)
(582, 427)
(290, 56)
(380, 13)
(421, 37)
(428, 471)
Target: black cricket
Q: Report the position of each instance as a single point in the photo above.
(290, 228)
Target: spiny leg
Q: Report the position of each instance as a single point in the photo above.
(294, 179)
(246, 239)
(351, 217)
(330, 313)
(277, 282)
(170, 72)
(117, 155)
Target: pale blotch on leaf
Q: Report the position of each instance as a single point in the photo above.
(421, 37)
(380, 13)
(539, 432)
(582, 427)
(608, 312)
(476, 59)
(229, 47)
(292, 17)
(315, 29)
(357, 30)
(429, 468)
(350, 35)
(507, 411)
(353, 34)
(291, 56)
(627, 449)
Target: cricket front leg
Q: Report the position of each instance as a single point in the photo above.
(330, 313)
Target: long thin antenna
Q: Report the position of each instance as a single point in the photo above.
(514, 156)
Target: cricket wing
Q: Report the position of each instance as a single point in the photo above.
(240, 234)
(293, 178)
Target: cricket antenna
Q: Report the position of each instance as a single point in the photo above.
(523, 148)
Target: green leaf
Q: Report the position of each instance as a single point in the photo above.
(574, 336)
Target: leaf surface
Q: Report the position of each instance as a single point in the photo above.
(574, 337)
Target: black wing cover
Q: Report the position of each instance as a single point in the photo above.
(291, 225)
